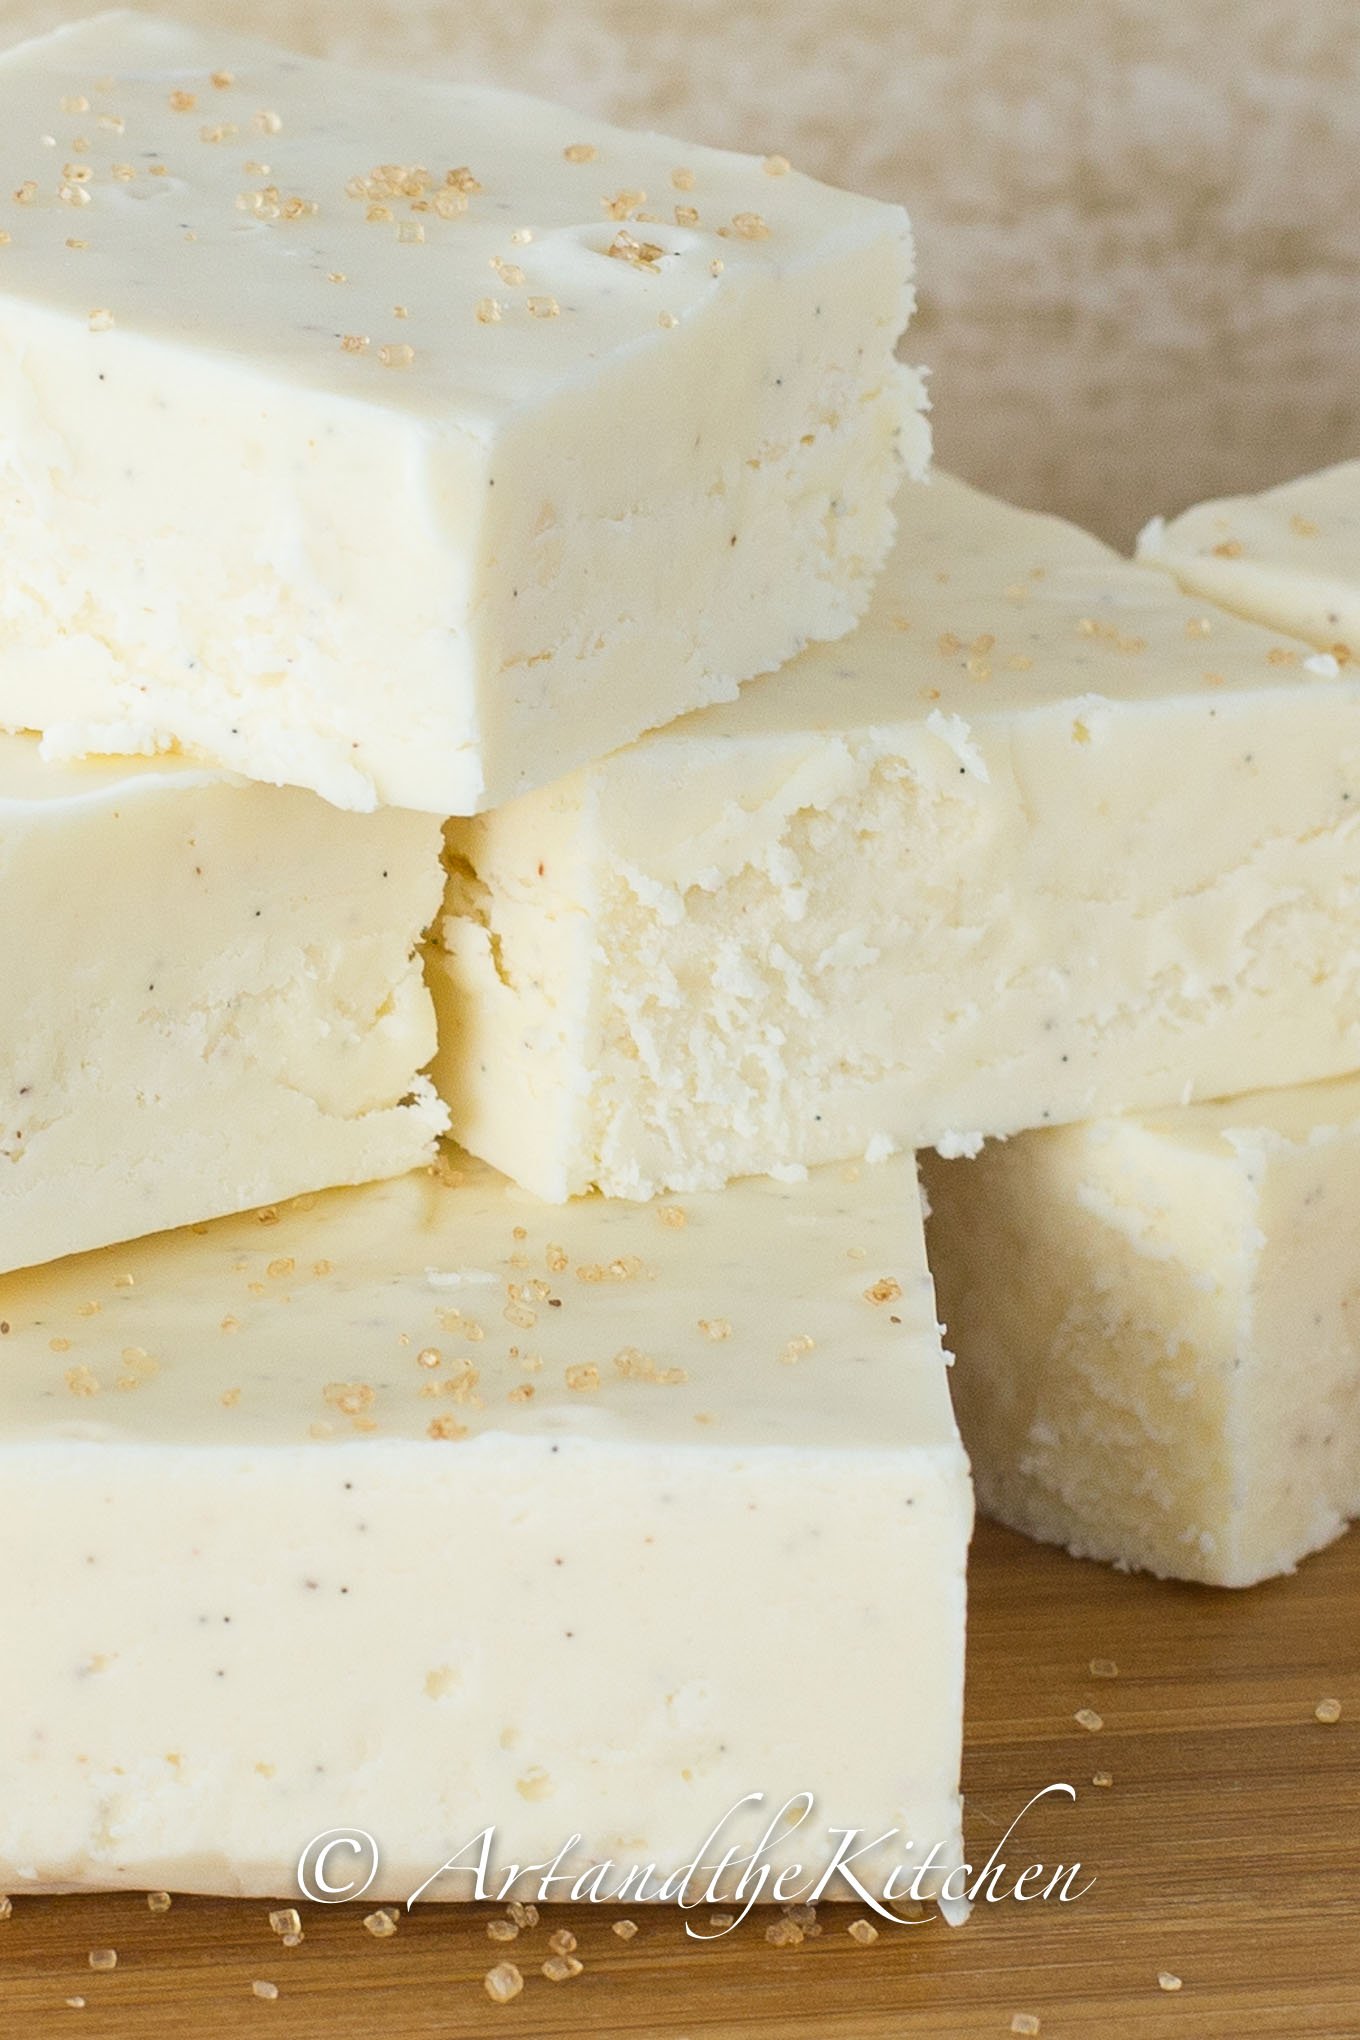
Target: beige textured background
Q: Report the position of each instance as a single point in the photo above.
(1139, 220)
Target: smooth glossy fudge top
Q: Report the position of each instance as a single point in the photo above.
(394, 239)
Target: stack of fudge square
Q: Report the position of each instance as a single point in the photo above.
(517, 833)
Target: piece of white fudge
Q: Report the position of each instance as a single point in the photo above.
(424, 1508)
(412, 442)
(211, 996)
(1156, 1334)
(1289, 557)
(1042, 840)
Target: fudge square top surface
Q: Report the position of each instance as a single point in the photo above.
(1289, 557)
(410, 441)
(447, 1304)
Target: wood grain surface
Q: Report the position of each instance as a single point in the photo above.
(1225, 1852)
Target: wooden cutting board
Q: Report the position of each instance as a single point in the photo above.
(1225, 1851)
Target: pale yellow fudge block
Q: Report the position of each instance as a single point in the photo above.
(1289, 557)
(1041, 840)
(425, 1509)
(210, 996)
(339, 450)
(1155, 1323)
